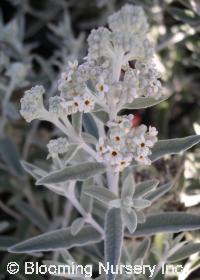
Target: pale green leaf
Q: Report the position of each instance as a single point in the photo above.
(154, 195)
(79, 172)
(58, 239)
(129, 219)
(113, 239)
(100, 193)
(143, 102)
(184, 252)
(77, 225)
(33, 215)
(141, 250)
(173, 146)
(10, 155)
(145, 187)
(128, 187)
(167, 222)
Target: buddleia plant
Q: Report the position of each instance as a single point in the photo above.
(100, 147)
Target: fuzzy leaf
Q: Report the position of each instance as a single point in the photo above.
(76, 172)
(33, 170)
(10, 156)
(130, 220)
(77, 225)
(102, 116)
(6, 241)
(128, 187)
(184, 252)
(113, 239)
(33, 215)
(173, 146)
(145, 187)
(58, 239)
(143, 102)
(167, 222)
(141, 250)
(158, 192)
(90, 125)
(100, 193)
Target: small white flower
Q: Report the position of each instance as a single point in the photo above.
(73, 65)
(153, 131)
(113, 156)
(102, 88)
(126, 161)
(87, 103)
(143, 160)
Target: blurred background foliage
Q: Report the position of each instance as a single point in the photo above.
(37, 39)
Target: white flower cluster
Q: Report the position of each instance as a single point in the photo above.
(32, 106)
(117, 69)
(57, 146)
(126, 143)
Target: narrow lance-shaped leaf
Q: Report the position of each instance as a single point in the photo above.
(143, 102)
(154, 195)
(184, 252)
(33, 215)
(76, 172)
(145, 187)
(100, 193)
(128, 187)
(167, 222)
(58, 239)
(10, 156)
(141, 250)
(113, 239)
(173, 146)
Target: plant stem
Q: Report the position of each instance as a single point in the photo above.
(88, 217)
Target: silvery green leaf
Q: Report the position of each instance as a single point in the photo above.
(100, 193)
(141, 203)
(77, 225)
(154, 195)
(115, 203)
(88, 138)
(90, 125)
(173, 146)
(100, 209)
(77, 122)
(167, 222)
(113, 239)
(145, 187)
(12, 111)
(10, 156)
(85, 200)
(3, 226)
(130, 219)
(58, 239)
(140, 217)
(32, 214)
(143, 102)
(141, 250)
(79, 172)
(102, 116)
(184, 252)
(33, 170)
(128, 187)
(6, 242)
